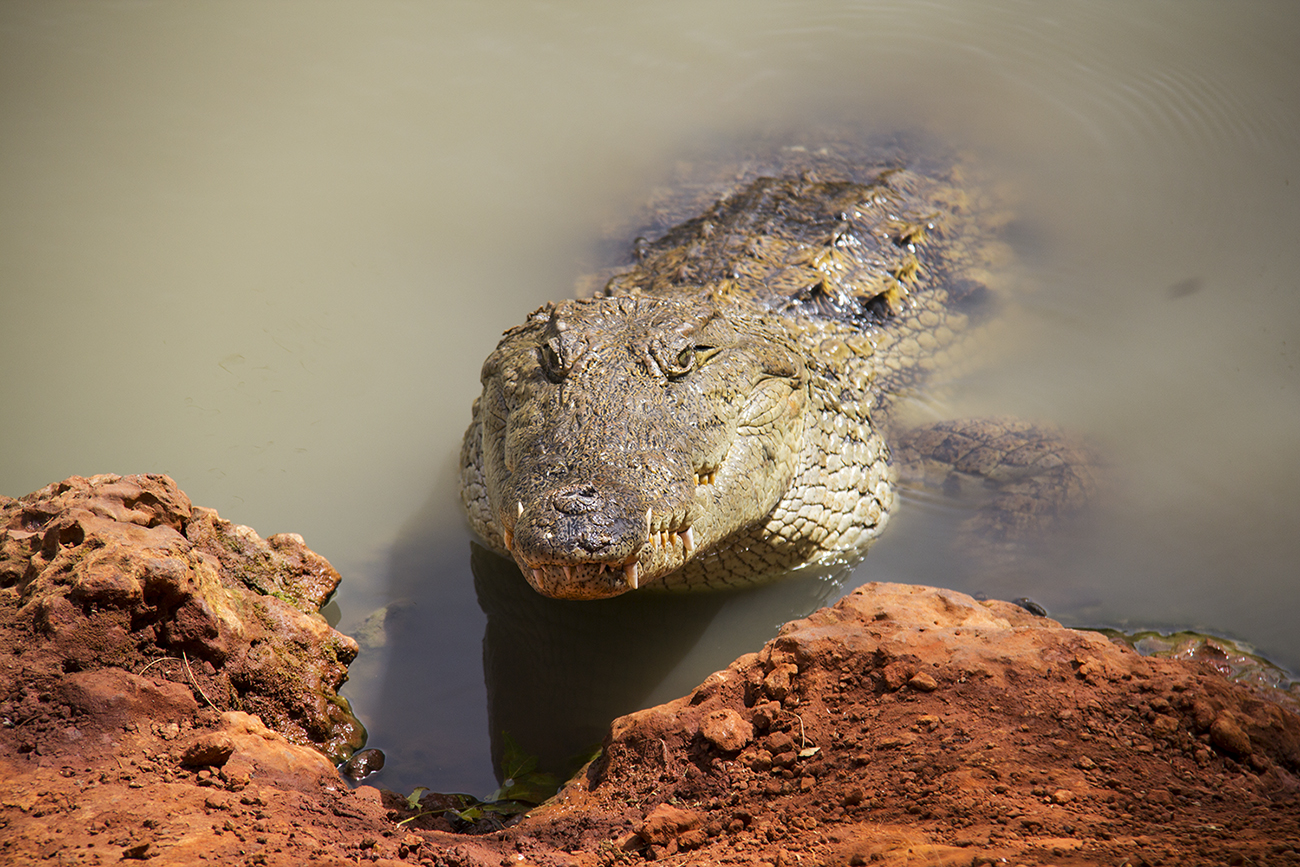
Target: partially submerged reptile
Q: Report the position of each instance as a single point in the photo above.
(723, 411)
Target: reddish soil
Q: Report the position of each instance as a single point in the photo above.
(904, 725)
(913, 725)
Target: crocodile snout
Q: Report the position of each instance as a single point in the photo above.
(577, 500)
(579, 523)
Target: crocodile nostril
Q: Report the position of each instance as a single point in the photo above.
(577, 500)
(594, 544)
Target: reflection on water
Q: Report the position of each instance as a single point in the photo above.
(471, 653)
(266, 254)
(558, 671)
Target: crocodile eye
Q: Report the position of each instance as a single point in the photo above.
(675, 367)
(549, 358)
(686, 360)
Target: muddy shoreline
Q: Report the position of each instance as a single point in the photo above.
(169, 694)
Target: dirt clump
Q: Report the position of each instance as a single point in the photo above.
(914, 725)
(145, 647)
(125, 574)
(167, 695)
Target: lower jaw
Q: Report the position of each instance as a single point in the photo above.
(631, 573)
(660, 554)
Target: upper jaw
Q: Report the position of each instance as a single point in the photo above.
(664, 543)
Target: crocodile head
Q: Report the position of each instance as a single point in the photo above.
(623, 436)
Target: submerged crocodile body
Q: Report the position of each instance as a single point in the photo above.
(722, 411)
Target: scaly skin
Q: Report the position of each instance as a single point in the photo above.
(716, 415)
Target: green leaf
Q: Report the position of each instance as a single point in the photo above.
(534, 788)
(515, 763)
(507, 808)
(413, 799)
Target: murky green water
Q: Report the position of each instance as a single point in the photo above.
(264, 248)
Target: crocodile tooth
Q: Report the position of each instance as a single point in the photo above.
(568, 573)
(510, 537)
(537, 576)
(630, 575)
(688, 540)
(649, 525)
(521, 508)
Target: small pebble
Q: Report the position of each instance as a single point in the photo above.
(923, 682)
(363, 764)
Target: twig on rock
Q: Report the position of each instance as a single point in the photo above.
(200, 689)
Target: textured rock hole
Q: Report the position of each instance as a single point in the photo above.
(32, 520)
(72, 536)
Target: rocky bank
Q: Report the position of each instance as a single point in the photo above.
(168, 693)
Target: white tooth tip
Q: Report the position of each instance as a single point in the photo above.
(568, 573)
(537, 576)
(688, 539)
(630, 575)
(520, 506)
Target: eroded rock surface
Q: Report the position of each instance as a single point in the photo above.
(914, 725)
(124, 576)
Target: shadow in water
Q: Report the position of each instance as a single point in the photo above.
(468, 651)
(558, 671)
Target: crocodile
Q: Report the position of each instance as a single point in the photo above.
(728, 405)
